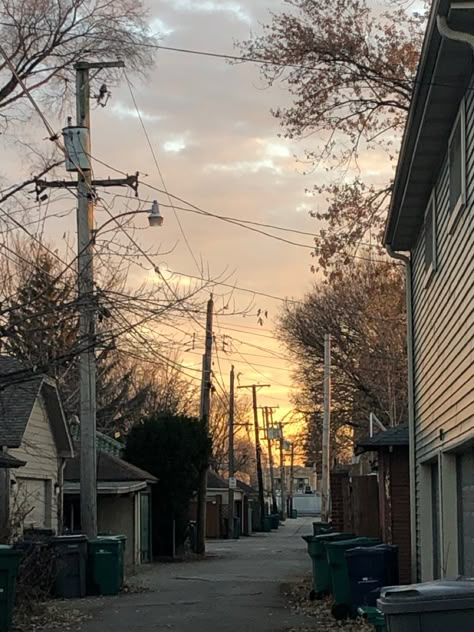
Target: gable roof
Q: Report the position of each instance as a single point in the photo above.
(247, 489)
(393, 437)
(444, 71)
(110, 468)
(17, 401)
(214, 481)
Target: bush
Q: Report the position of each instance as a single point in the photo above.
(175, 450)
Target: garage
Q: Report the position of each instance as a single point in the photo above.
(33, 499)
(465, 467)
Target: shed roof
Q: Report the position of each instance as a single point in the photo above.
(393, 437)
(444, 72)
(247, 489)
(214, 481)
(19, 390)
(9, 461)
(109, 468)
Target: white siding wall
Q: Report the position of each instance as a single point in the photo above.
(443, 320)
(36, 480)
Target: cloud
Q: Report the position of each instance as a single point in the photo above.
(234, 9)
(123, 112)
(245, 166)
(175, 145)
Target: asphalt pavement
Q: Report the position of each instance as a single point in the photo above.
(239, 587)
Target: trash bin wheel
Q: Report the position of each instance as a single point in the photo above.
(340, 611)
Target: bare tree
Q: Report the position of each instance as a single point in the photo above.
(349, 66)
(43, 39)
(364, 312)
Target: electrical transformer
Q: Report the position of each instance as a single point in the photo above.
(76, 142)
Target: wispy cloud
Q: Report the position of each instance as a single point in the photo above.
(123, 112)
(235, 9)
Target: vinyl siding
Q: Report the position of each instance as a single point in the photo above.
(38, 449)
(443, 323)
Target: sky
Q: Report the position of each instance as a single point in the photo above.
(218, 147)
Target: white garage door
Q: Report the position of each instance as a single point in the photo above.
(34, 500)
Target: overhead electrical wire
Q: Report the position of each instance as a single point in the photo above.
(160, 173)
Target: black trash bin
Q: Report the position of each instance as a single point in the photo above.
(71, 566)
(439, 606)
(370, 569)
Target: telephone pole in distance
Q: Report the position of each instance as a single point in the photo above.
(258, 447)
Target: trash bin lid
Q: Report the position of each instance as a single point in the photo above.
(70, 539)
(442, 594)
(378, 549)
(6, 549)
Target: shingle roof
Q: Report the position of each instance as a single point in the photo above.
(109, 468)
(9, 461)
(247, 489)
(214, 481)
(16, 402)
(397, 436)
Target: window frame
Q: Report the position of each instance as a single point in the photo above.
(431, 269)
(461, 203)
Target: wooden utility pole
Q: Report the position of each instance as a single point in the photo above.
(87, 307)
(282, 473)
(267, 413)
(78, 159)
(325, 483)
(258, 448)
(231, 453)
(292, 475)
(205, 410)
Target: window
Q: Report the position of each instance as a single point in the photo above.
(457, 166)
(430, 237)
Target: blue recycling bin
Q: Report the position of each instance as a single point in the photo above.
(370, 569)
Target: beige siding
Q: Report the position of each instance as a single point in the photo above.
(116, 514)
(36, 480)
(443, 320)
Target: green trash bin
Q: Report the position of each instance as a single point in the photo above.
(379, 622)
(322, 527)
(70, 553)
(317, 552)
(104, 575)
(267, 524)
(122, 539)
(339, 573)
(294, 514)
(275, 520)
(9, 563)
(237, 528)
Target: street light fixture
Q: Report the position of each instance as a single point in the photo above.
(155, 218)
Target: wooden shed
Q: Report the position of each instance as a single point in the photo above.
(393, 468)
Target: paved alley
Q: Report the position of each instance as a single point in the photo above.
(238, 588)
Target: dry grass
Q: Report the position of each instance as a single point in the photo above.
(319, 614)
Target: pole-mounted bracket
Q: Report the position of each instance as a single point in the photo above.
(128, 181)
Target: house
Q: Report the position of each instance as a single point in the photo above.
(123, 502)
(33, 432)
(431, 222)
(218, 510)
(393, 469)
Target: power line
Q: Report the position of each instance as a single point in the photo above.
(160, 173)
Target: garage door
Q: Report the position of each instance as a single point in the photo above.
(34, 500)
(465, 464)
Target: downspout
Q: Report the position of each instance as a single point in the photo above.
(457, 36)
(411, 405)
